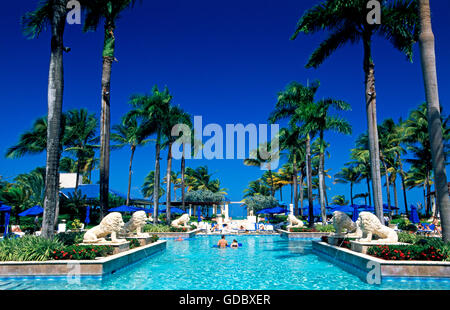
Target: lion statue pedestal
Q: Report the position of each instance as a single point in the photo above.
(370, 226)
(111, 225)
(181, 222)
(293, 222)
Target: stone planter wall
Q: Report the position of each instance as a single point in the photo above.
(92, 268)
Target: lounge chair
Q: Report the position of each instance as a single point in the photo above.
(15, 229)
(427, 229)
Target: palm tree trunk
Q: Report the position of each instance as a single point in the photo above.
(292, 190)
(321, 180)
(157, 177)
(130, 172)
(54, 100)
(309, 178)
(294, 176)
(183, 168)
(351, 193)
(388, 184)
(368, 190)
(301, 193)
(402, 175)
(272, 189)
(428, 206)
(168, 180)
(427, 52)
(370, 94)
(394, 187)
(105, 124)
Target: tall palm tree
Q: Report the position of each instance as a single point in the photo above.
(290, 105)
(292, 139)
(428, 57)
(317, 118)
(346, 21)
(109, 11)
(52, 12)
(153, 109)
(129, 133)
(175, 117)
(81, 130)
(419, 145)
(348, 175)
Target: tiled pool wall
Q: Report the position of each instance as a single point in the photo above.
(363, 265)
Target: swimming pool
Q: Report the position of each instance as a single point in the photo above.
(264, 262)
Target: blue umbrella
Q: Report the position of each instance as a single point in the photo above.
(345, 209)
(147, 210)
(263, 211)
(124, 209)
(174, 210)
(413, 216)
(199, 214)
(36, 210)
(88, 211)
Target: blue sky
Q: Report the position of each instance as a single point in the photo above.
(224, 61)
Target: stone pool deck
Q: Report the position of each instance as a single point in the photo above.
(85, 268)
(176, 235)
(301, 235)
(366, 267)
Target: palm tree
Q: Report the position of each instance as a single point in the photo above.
(52, 12)
(290, 105)
(175, 117)
(129, 133)
(257, 187)
(33, 141)
(346, 20)
(258, 160)
(81, 130)
(292, 139)
(153, 111)
(109, 11)
(317, 118)
(428, 58)
(417, 137)
(348, 175)
(339, 200)
(148, 188)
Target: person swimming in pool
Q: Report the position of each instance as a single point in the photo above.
(222, 242)
(234, 245)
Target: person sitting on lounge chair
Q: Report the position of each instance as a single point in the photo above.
(437, 228)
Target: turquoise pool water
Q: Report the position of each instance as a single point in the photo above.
(264, 262)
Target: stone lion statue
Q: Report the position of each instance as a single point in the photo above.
(135, 224)
(181, 222)
(110, 225)
(294, 222)
(342, 221)
(370, 225)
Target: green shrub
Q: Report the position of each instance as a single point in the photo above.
(326, 228)
(70, 238)
(156, 228)
(406, 225)
(154, 238)
(302, 229)
(134, 243)
(28, 248)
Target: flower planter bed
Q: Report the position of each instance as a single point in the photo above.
(302, 235)
(91, 268)
(362, 265)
